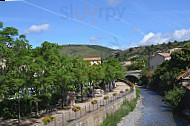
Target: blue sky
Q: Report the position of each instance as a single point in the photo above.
(113, 23)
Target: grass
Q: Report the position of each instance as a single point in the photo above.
(114, 118)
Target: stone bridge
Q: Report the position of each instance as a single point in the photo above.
(133, 73)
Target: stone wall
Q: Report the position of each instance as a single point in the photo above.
(96, 118)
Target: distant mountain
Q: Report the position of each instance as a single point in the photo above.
(87, 51)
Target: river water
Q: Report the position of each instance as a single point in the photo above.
(156, 112)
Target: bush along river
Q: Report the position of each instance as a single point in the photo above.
(151, 110)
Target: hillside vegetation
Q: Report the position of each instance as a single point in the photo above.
(87, 51)
(139, 55)
(144, 52)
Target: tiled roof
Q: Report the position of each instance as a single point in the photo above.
(164, 54)
(128, 63)
(187, 86)
(183, 74)
(92, 59)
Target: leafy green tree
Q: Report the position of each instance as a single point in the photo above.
(112, 71)
(94, 75)
(81, 77)
(63, 76)
(174, 97)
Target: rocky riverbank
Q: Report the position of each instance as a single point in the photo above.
(135, 117)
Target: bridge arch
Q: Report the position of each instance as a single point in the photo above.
(132, 78)
(133, 75)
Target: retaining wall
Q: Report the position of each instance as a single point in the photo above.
(96, 118)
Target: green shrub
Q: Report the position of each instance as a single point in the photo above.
(94, 101)
(137, 92)
(9, 108)
(114, 118)
(55, 98)
(173, 97)
(48, 119)
(121, 91)
(53, 118)
(76, 108)
(114, 94)
(106, 97)
(44, 101)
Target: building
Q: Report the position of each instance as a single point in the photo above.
(184, 81)
(171, 50)
(2, 63)
(127, 63)
(157, 59)
(93, 60)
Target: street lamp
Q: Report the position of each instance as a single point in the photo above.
(18, 108)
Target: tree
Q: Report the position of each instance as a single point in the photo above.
(63, 76)
(174, 97)
(81, 77)
(112, 71)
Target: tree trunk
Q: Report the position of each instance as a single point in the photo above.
(93, 90)
(113, 84)
(63, 99)
(104, 86)
(36, 104)
(90, 84)
(18, 109)
(110, 86)
(81, 93)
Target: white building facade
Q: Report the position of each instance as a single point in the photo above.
(2, 63)
(93, 60)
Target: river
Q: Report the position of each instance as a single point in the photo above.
(152, 112)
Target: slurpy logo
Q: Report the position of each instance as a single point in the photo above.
(92, 12)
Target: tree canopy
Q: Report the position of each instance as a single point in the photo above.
(42, 71)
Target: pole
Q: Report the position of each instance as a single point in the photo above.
(18, 109)
(55, 121)
(85, 109)
(62, 119)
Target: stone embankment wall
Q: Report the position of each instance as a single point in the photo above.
(96, 118)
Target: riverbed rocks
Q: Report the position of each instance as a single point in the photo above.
(134, 117)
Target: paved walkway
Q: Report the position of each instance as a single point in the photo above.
(30, 121)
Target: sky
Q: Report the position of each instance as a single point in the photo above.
(118, 24)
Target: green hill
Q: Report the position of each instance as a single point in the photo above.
(87, 51)
(144, 52)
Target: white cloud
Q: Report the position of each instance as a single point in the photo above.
(37, 28)
(95, 38)
(178, 35)
(114, 47)
(113, 2)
